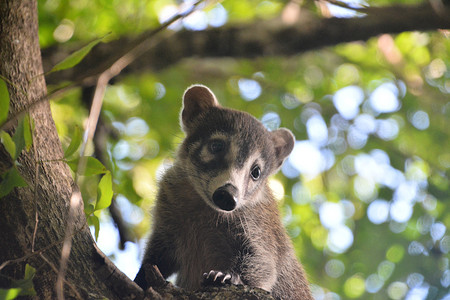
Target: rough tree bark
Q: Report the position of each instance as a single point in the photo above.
(43, 206)
(33, 219)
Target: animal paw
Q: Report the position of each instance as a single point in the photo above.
(216, 278)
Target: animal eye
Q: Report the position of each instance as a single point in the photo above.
(216, 146)
(255, 172)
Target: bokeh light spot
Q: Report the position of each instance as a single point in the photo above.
(290, 101)
(249, 89)
(445, 244)
(331, 214)
(365, 123)
(277, 189)
(334, 268)
(401, 211)
(397, 290)
(437, 231)
(131, 213)
(347, 101)
(217, 16)
(395, 253)
(347, 74)
(136, 127)
(364, 188)
(445, 279)
(64, 31)
(356, 138)
(289, 170)
(340, 238)
(420, 120)
(160, 90)
(307, 158)
(121, 150)
(317, 130)
(354, 287)
(374, 283)
(384, 99)
(416, 248)
(197, 20)
(414, 280)
(378, 211)
(385, 269)
(301, 193)
(436, 69)
(271, 120)
(387, 129)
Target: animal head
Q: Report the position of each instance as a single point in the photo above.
(228, 154)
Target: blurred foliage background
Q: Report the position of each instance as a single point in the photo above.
(365, 192)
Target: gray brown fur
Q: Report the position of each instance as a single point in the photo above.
(191, 235)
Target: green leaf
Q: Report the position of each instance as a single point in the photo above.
(104, 192)
(26, 284)
(8, 142)
(11, 180)
(74, 143)
(19, 138)
(88, 209)
(73, 164)
(93, 166)
(4, 101)
(74, 58)
(9, 294)
(29, 272)
(28, 127)
(93, 220)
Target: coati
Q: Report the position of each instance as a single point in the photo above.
(215, 220)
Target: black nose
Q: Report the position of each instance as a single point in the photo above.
(225, 197)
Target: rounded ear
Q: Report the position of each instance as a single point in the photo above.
(196, 99)
(283, 141)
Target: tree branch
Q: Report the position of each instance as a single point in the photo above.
(264, 38)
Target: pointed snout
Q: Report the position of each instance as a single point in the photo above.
(225, 197)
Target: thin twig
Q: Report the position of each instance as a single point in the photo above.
(140, 48)
(36, 177)
(25, 257)
(439, 7)
(75, 203)
(36, 252)
(19, 89)
(28, 108)
(52, 266)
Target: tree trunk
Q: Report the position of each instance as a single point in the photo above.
(33, 219)
(46, 199)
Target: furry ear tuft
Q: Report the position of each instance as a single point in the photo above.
(283, 141)
(196, 99)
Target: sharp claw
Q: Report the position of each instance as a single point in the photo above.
(210, 274)
(216, 277)
(219, 274)
(227, 278)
